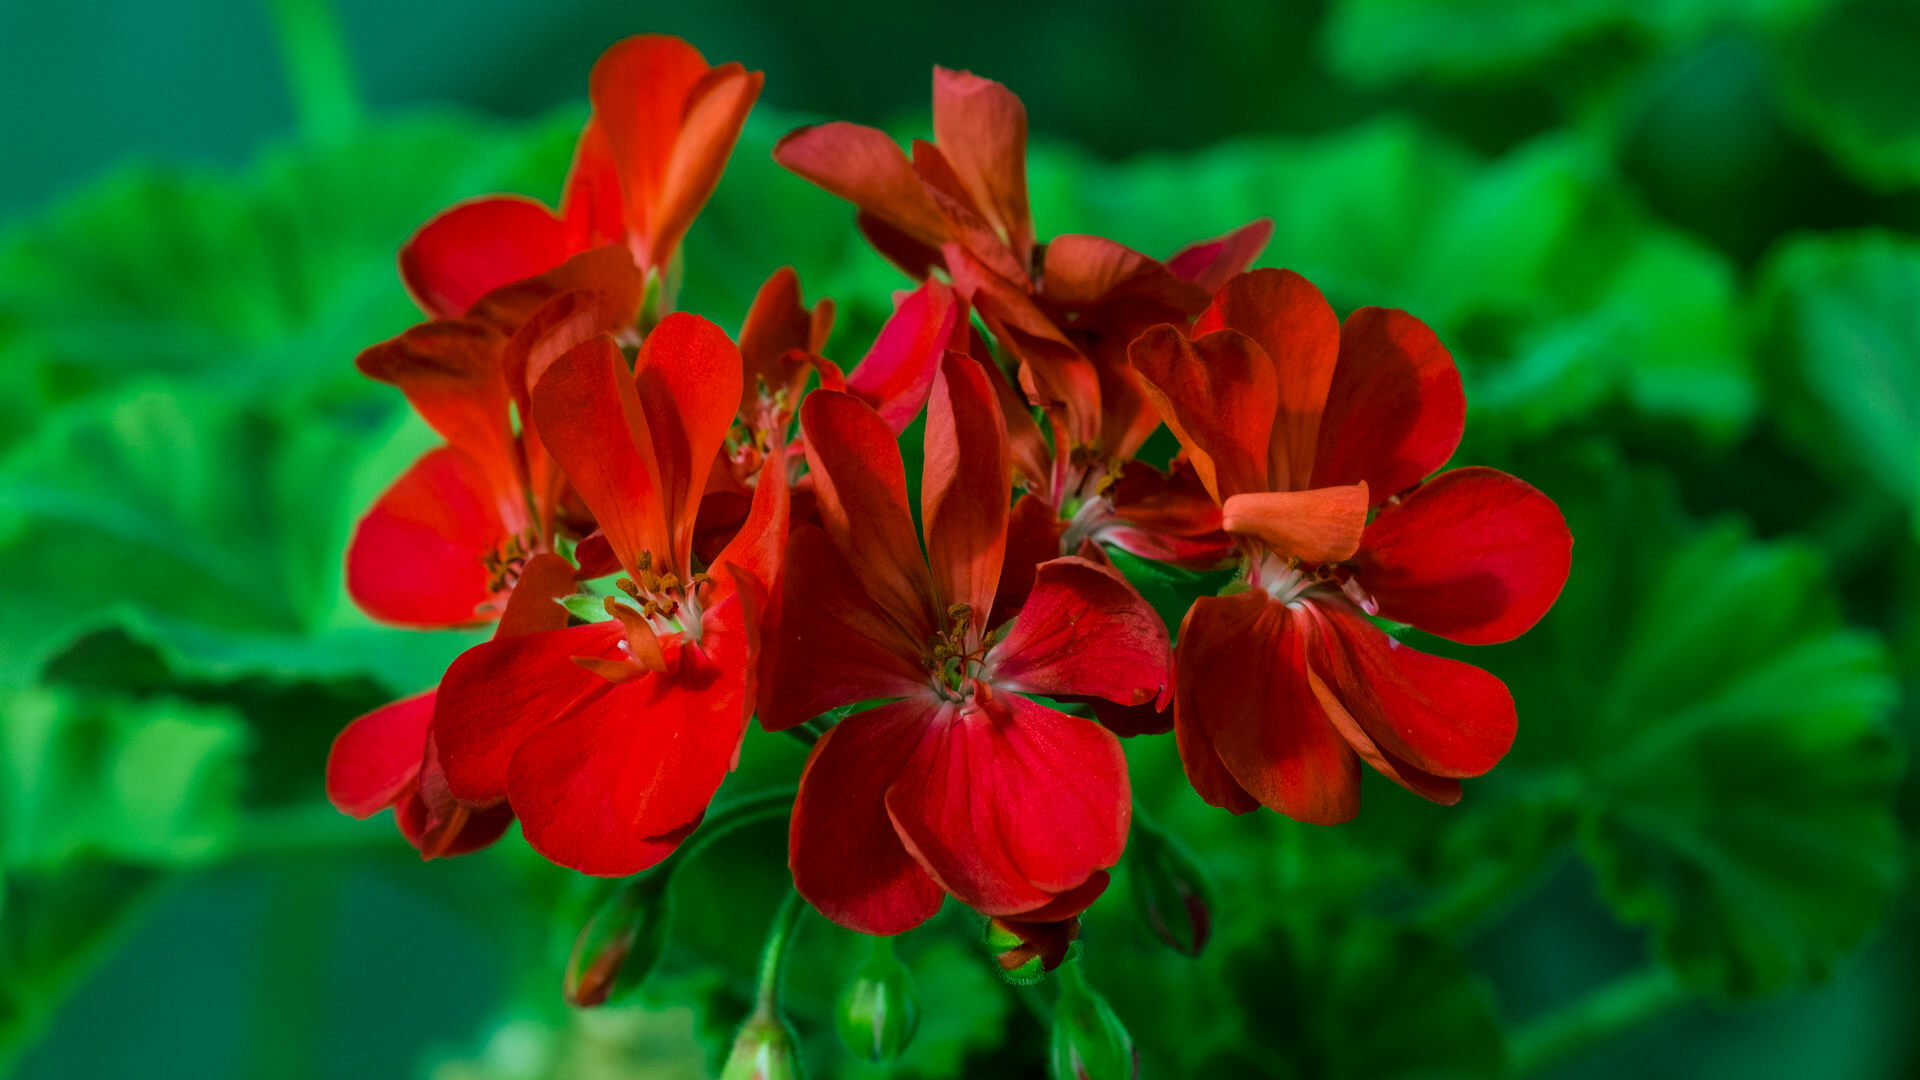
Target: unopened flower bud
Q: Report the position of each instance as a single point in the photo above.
(1169, 889)
(879, 1010)
(620, 944)
(1089, 1041)
(1025, 951)
(764, 1050)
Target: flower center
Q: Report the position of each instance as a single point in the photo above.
(668, 604)
(505, 562)
(951, 663)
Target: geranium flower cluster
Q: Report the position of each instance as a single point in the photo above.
(674, 531)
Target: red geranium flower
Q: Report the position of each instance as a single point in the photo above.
(609, 739)
(1316, 439)
(388, 758)
(663, 125)
(959, 783)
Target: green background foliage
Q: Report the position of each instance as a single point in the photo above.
(1672, 246)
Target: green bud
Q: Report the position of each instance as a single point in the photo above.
(763, 1050)
(1169, 889)
(1026, 951)
(1089, 1042)
(621, 943)
(879, 1010)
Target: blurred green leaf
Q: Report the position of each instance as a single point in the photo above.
(1851, 82)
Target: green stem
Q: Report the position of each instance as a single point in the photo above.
(1617, 1007)
(773, 960)
(319, 76)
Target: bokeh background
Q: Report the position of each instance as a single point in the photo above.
(1671, 243)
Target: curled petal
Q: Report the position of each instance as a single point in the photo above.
(1084, 630)
(1300, 334)
(715, 112)
(450, 372)
(1473, 554)
(1394, 410)
(688, 378)
(1323, 525)
(1210, 264)
(1218, 393)
(376, 759)
(590, 206)
(594, 425)
(982, 128)
(640, 89)
(416, 559)
(778, 324)
(475, 247)
(866, 167)
(1083, 272)
(1433, 788)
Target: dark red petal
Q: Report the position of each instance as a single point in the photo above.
(897, 373)
(475, 247)
(1300, 334)
(1033, 537)
(967, 223)
(966, 489)
(1474, 555)
(1083, 630)
(614, 784)
(861, 489)
(845, 856)
(1438, 715)
(688, 378)
(439, 826)
(866, 167)
(1242, 664)
(1209, 777)
(981, 127)
(1218, 394)
(834, 645)
(376, 758)
(592, 421)
(497, 693)
(1064, 907)
(1395, 409)
(759, 548)
(1433, 788)
(1009, 804)
(1322, 525)
(1210, 264)
(416, 558)
(715, 112)
(1088, 271)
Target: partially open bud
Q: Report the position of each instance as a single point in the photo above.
(1089, 1042)
(621, 943)
(1027, 950)
(764, 1049)
(879, 1010)
(1169, 889)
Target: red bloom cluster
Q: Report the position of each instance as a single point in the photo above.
(676, 533)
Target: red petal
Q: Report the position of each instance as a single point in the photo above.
(1083, 630)
(1208, 775)
(1473, 554)
(1087, 271)
(1009, 804)
(966, 490)
(1438, 715)
(897, 373)
(591, 418)
(639, 88)
(967, 223)
(496, 694)
(614, 784)
(688, 378)
(451, 374)
(590, 206)
(1395, 409)
(376, 759)
(981, 127)
(436, 824)
(834, 646)
(1210, 264)
(1426, 785)
(1218, 394)
(861, 489)
(1300, 334)
(866, 167)
(778, 323)
(846, 858)
(716, 111)
(415, 559)
(1323, 525)
(1033, 537)
(1243, 677)
(475, 247)
(533, 607)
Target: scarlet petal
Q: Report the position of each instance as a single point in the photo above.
(1210, 264)
(715, 112)
(1208, 775)
(1395, 409)
(590, 206)
(847, 860)
(834, 646)
(967, 487)
(475, 247)
(861, 488)
(1086, 271)
(376, 759)
(1033, 537)
(533, 607)
(1323, 525)
(1083, 630)
(590, 415)
(1438, 715)
(498, 693)
(1243, 676)
(777, 324)
(981, 127)
(866, 167)
(639, 88)
(1473, 554)
(415, 559)
(1300, 334)
(1218, 394)
(451, 374)
(688, 378)
(897, 373)
(1010, 804)
(440, 827)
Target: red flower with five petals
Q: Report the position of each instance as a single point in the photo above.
(960, 783)
(1316, 439)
